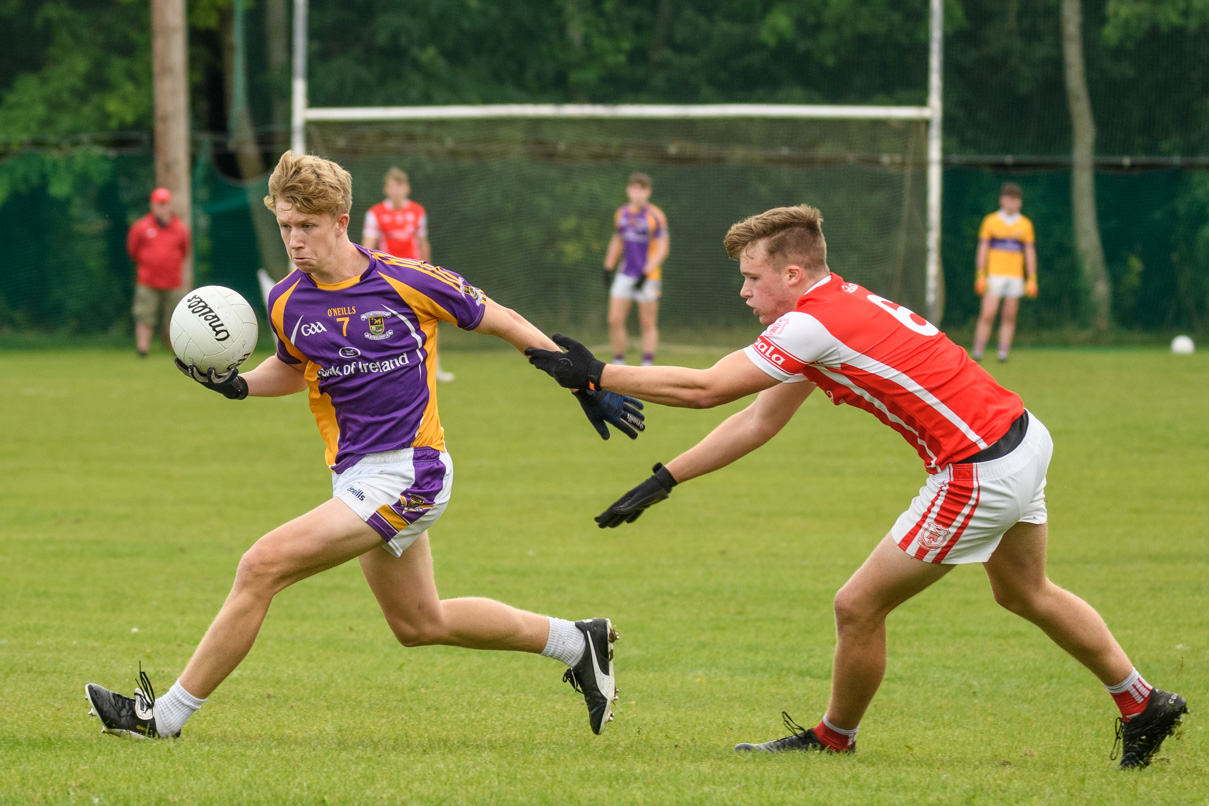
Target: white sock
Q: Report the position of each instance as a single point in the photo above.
(566, 642)
(848, 733)
(1134, 684)
(174, 708)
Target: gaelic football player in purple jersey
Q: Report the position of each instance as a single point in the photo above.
(357, 330)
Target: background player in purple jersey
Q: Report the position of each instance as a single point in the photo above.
(640, 243)
(358, 329)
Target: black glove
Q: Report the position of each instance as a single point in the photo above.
(627, 508)
(577, 368)
(641, 284)
(229, 385)
(608, 279)
(610, 407)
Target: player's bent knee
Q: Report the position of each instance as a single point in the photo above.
(259, 570)
(853, 612)
(1015, 600)
(418, 633)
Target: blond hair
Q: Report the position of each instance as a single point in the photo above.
(396, 174)
(311, 185)
(788, 234)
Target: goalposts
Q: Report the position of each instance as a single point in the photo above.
(758, 153)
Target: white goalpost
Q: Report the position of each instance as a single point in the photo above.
(304, 114)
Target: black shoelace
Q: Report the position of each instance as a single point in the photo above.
(144, 691)
(570, 677)
(1119, 742)
(791, 726)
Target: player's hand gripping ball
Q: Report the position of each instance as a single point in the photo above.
(213, 328)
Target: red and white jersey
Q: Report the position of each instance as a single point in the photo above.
(397, 231)
(869, 352)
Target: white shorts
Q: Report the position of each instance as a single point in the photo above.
(398, 493)
(960, 515)
(624, 288)
(1010, 287)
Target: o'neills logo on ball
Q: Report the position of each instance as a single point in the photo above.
(202, 310)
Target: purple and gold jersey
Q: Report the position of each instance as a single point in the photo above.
(369, 345)
(639, 230)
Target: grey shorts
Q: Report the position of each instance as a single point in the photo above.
(154, 306)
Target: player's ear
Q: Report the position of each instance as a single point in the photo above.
(794, 274)
(342, 223)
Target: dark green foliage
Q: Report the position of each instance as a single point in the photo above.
(75, 92)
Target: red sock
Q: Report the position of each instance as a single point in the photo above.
(833, 739)
(1131, 695)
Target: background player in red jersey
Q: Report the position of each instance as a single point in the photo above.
(399, 226)
(984, 500)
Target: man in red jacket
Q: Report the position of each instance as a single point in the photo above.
(158, 243)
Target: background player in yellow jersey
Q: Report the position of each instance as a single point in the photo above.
(1006, 269)
(357, 330)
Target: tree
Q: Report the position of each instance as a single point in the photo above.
(1083, 168)
(171, 82)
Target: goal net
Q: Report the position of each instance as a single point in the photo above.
(523, 206)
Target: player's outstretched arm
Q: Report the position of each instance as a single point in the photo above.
(275, 378)
(601, 408)
(738, 435)
(733, 377)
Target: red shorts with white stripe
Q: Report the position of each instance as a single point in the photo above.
(960, 515)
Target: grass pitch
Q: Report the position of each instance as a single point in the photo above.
(131, 493)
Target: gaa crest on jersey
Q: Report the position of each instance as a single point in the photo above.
(376, 322)
(932, 536)
(850, 288)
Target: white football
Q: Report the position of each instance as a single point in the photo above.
(1183, 345)
(213, 328)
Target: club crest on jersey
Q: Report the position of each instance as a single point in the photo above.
(470, 291)
(849, 287)
(932, 536)
(376, 320)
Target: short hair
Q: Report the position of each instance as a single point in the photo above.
(639, 178)
(788, 234)
(1011, 189)
(397, 175)
(311, 185)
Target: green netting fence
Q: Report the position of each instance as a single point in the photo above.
(529, 223)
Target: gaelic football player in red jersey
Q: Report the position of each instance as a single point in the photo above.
(986, 458)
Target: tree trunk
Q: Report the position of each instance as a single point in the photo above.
(247, 151)
(277, 45)
(1083, 169)
(171, 87)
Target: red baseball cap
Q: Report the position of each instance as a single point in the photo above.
(161, 195)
